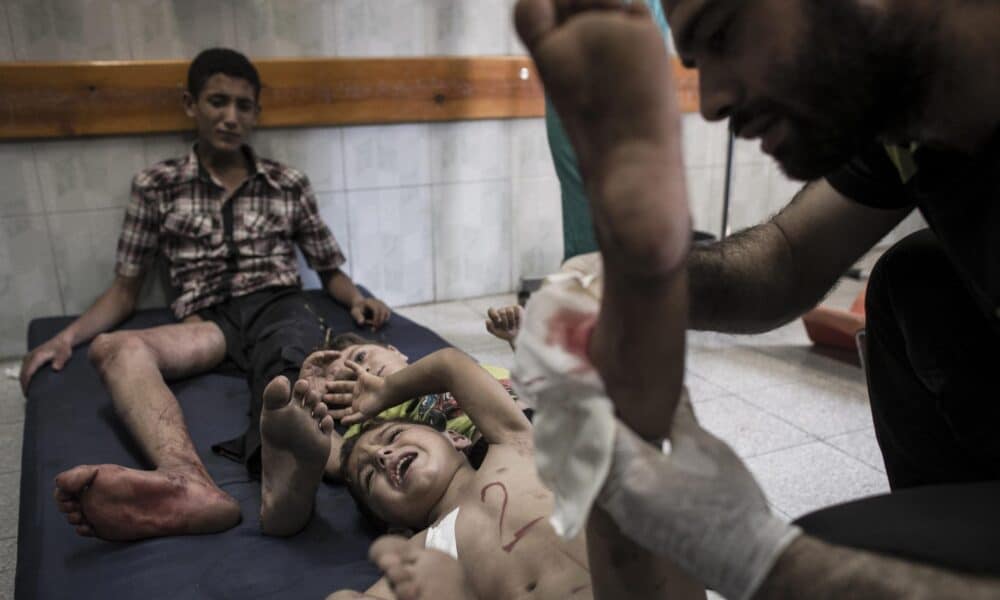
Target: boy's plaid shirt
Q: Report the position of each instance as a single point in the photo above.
(177, 209)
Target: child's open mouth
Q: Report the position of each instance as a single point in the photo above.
(402, 466)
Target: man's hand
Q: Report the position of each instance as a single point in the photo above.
(716, 525)
(57, 350)
(370, 311)
(370, 397)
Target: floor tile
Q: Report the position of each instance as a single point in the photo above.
(454, 321)
(862, 445)
(10, 447)
(8, 566)
(742, 369)
(10, 491)
(11, 399)
(818, 406)
(749, 430)
(700, 389)
(482, 304)
(805, 478)
(824, 363)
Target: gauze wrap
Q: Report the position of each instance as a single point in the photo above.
(574, 426)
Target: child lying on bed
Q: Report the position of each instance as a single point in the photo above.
(329, 372)
(410, 476)
(319, 386)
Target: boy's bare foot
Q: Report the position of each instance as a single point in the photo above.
(505, 322)
(418, 573)
(295, 444)
(604, 64)
(119, 504)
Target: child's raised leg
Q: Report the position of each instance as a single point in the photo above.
(606, 69)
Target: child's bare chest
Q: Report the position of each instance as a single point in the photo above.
(505, 541)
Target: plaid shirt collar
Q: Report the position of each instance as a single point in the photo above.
(191, 169)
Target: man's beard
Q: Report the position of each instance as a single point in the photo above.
(857, 80)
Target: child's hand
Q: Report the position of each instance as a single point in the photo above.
(316, 368)
(368, 399)
(505, 322)
(338, 397)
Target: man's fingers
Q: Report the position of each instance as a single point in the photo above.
(358, 314)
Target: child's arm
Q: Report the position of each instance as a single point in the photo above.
(483, 399)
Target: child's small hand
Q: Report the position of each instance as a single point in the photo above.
(505, 322)
(368, 398)
(338, 397)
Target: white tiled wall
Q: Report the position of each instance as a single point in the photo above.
(424, 211)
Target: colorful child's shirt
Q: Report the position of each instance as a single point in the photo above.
(440, 411)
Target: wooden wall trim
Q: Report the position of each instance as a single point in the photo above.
(70, 99)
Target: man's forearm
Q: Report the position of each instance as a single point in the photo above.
(341, 288)
(743, 284)
(110, 309)
(824, 571)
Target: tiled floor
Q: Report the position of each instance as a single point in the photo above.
(798, 417)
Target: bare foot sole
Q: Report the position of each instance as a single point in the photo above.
(604, 64)
(295, 444)
(418, 573)
(119, 504)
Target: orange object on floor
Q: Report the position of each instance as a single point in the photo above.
(834, 327)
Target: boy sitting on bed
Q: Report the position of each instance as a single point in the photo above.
(227, 222)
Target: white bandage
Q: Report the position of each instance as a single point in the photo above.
(574, 419)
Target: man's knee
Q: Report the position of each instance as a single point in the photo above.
(904, 270)
(111, 349)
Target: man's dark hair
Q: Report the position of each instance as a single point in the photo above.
(346, 340)
(221, 60)
(353, 486)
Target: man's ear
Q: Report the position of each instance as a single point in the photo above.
(459, 441)
(189, 102)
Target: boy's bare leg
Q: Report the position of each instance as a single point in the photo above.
(178, 497)
(620, 568)
(605, 67)
(295, 443)
(418, 573)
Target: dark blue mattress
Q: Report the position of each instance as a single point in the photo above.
(69, 421)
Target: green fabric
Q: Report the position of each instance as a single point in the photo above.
(903, 159)
(578, 231)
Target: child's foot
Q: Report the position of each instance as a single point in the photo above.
(119, 504)
(604, 64)
(416, 573)
(505, 322)
(295, 444)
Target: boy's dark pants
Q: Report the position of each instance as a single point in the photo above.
(268, 333)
